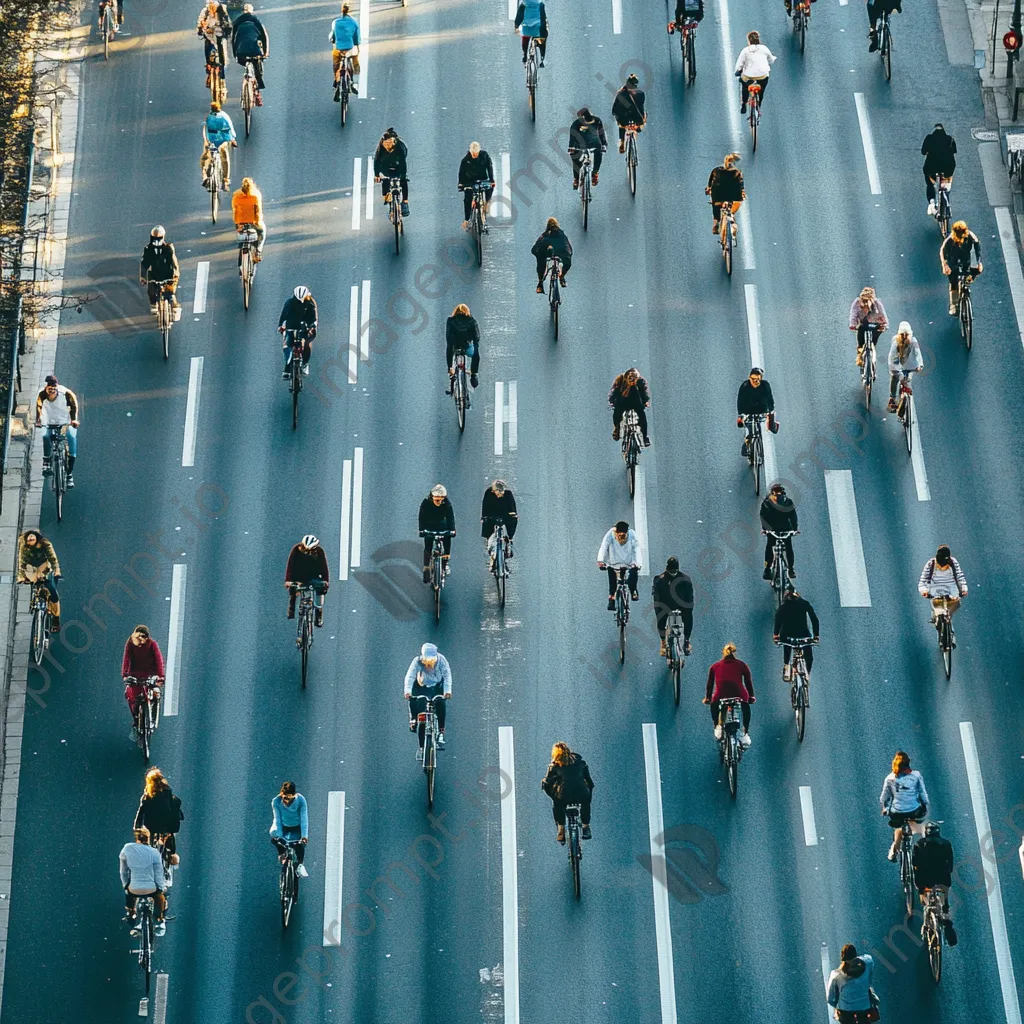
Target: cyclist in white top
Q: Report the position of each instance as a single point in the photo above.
(753, 65)
(56, 406)
(620, 547)
(142, 874)
(903, 798)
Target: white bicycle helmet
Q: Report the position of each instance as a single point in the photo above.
(157, 232)
(301, 293)
(310, 541)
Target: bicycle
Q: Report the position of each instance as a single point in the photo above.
(632, 156)
(885, 45)
(675, 649)
(727, 232)
(214, 79)
(574, 845)
(943, 210)
(288, 886)
(345, 75)
(249, 97)
(586, 189)
(800, 689)
(247, 260)
(165, 313)
(144, 912)
(801, 19)
(870, 360)
(754, 111)
(296, 342)
(395, 211)
(554, 276)
(478, 228)
(304, 627)
(428, 752)
(632, 446)
(905, 409)
(214, 183)
(621, 606)
(438, 568)
(906, 865)
(159, 843)
(532, 75)
(755, 447)
(687, 32)
(965, 311)
(107, 25)
(780, 580)
(730, 749)
(931, 928)
(147, 711)
(459, 389)
(41, 619)
(499, 563)
(946, 636)
(58, 465)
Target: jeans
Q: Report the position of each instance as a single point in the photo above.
(558, 809)
(290, 835)
(744, 714)
(71, 435)
(467, 201)
(613, 579)
(418, 705)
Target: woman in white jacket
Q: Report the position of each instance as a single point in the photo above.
(903, 798)
(904, 357)
(753, 65)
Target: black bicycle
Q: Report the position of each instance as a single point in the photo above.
(304, 627)
(248, 250)
(946, 636)
(288, 885)
(345, 87)
(144, 929)
(905, 409)
(532, 75)
(730, 748)
(395, 211)
(165, 313)
(427, 721)
(687, 30)
(780, 567)
(800, 683)
(477, 222)
(574, 845)
(58, 465)
(675, 649)
(965, 311)
(632, 156)
(147, 711)
(499, 564)
(754, 112)
(869, 358)
(438, 568)
(40, 638)
(885, 44)
(931, 929)
(943, 208)
(621, 607)
(459, 389)
(586, 189)
(755, 446)
(296, 340)
(632, 446)
(907, 865)
(554, 274)
(801, 19)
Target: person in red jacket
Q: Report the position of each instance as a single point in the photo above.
(307, 564)
(727, 678)
(142, 659)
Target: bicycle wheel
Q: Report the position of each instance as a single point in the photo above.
(215, 200)
(620, 617)
(289, 890)
(691, 59)
(631, 472)
(430, 766)
(296, 388)
(499, 573)
(946, 644)
(944, 214)
(782, 579)
(868, 384)
(155, 710)
(732, 765)
(907, 875)
(146, 947)
(676, 667)
(585, 199)
(304, 645)
(146, 728)
(967, 321)
(460, 398)
(555, 300)
(757, 461)
(935, 949)
(478, 232)
(164, 310)
(396, 217)
(245, 266)
(39, 625)
(631, 161)
(107, 29)
(887, 50)
(727, 247)
(575, 858)
(800, 705)
(59, 483)
(247, 102)
(908, 420)
(802, 29)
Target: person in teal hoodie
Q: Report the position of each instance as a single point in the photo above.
(290, 824)
(532, 22)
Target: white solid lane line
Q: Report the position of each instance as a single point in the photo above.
(617, 17)
(917, 460)
(334, 866)
(757, 359)
(869, 143)
(357, 509)
(346, 518)
(659, 875)
(364, 49)
(501, 201)
(513, 415)
(202, 281)
(364, 324)
(807, 813)
(640, 520)
(513, 6)
(847, 545)
(357, 187)
(175, 634)
(160, 1001)
(195, 383)
(499, 417)
(1011, 258)
(509, 873)
(370, 193)
(996, 912)
(353, 334)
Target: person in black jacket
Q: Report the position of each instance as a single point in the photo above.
(754, 398)
(298, 314)
(160, 811)
(586, 132)
(390, 161)
(437, 515)
(778, 515)
(250, 44)
(159, 263)
(933, 869)
(630, 391)
(498, 506)
(725, 185)
(686, 10)
(628, 109)
(939, 152)
(462, 334)
(568, 781)
(553, 242)
(476, 168)
(791, 624)
(307, 564)
(672, 591)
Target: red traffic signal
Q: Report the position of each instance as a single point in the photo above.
(1011, 41)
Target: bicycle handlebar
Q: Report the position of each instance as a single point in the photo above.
(792, 642)
(783, 535)
(436, 533)
(149, 681)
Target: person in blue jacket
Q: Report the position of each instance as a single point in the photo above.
(220, 133)
(532, 22)
(290, 824)
(344, 38)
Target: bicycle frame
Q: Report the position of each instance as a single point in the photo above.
(621, 595)
(553, 274)
(573, 845)
(780, 567)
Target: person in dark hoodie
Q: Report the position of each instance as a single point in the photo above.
(391, 161)
(939, 152)
(476, 168)
(849, 986)
(160, 811)
(778, 515)
(933, 869)
(436, 515)
(250, 44)
(586, 132)
(754, 398)
(672, 591)
(462, 334)
(553, 242)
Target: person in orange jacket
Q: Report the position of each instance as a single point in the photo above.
(247, 208)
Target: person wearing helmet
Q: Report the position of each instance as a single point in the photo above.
(429, 675)
(939, 152)
(251, 45)
(586, 132)
(344, 39)
(437, 516)
(299, 314)
(672, 591)
(159, 265)
(778, 515)
(628, 109)
(391, 161)
(213, 26)
(307, 566)
(955, 257)
(932, 858)
(754, 398)
(218, 132)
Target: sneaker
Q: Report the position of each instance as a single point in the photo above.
(952, 309)
(440, 741)
(792, 573)
(873, 45)
(745, 450)
(892, 405)
(160, 928)
(71, 480)
(136, 928)
(611, 604)
(622, 147)
(426, 575)
(687, 649)
(524, 58)
(562, 281)
(542, 62)
(540, 288)
(615, 434)
(575, 183)
(46, 467)
(259, 99)
(355, 89)
(647, 442)
(474, 380)
(787, 674)
(465, 225)
(593, 178)
(718, 732)
(860, 357)
(405, 208)
(412, 725)
(300, 870)
(767, 574)
(931, 207)
(891, 855)
(743, 108)
(587, 834)
(447, 569)
(560, 835)
(133, 735)
(305, 369)
(663, 650)
(634, 595)
(745, 739)
(285, 373)
(715, 228)
(319, 617)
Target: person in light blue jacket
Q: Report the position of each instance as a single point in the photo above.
(219, 132)
(849, 986)
(290, 824)
(904, 357)
(344, 38)
(903, 799)
(532, 22)
(429, 676)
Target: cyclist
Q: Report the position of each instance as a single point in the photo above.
(390, 161)
(307, 565)
(344, 39)
(686, 10)
(476, 168)
(903, 798)
(142, 659)
(37, 563)
(727, 679)
(498, 506)
(630, 391)
(436, 514)
(672, 591)
(866, 309)
(118, 13)
(955, 257)
(791, 624)
(567, 782)
(160, 812)
(56, 406)
(462, 334)
(214, 26)
(219, 132)
(753, 65)
(939, 152)
(290, 825)
(586, 132)
(943, 577)
(159, 263)
(532, 22)
(789, 9)
(904, 357)
(251, 45)
(755, 397)
(142, 874)
(849, 986)
(429, 675)
(778, 515)
(247, 210)
(620, 546)
(628, 109)
(725, 185)
(552, 242)
(932, 858)
(876, 8)
(299, 313)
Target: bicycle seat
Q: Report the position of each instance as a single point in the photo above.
(753, 89)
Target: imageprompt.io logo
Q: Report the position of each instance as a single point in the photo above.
(688, 864)
(397, 582)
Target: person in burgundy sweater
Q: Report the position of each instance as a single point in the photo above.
(142, 659)
(727, 678)
(307, 564)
